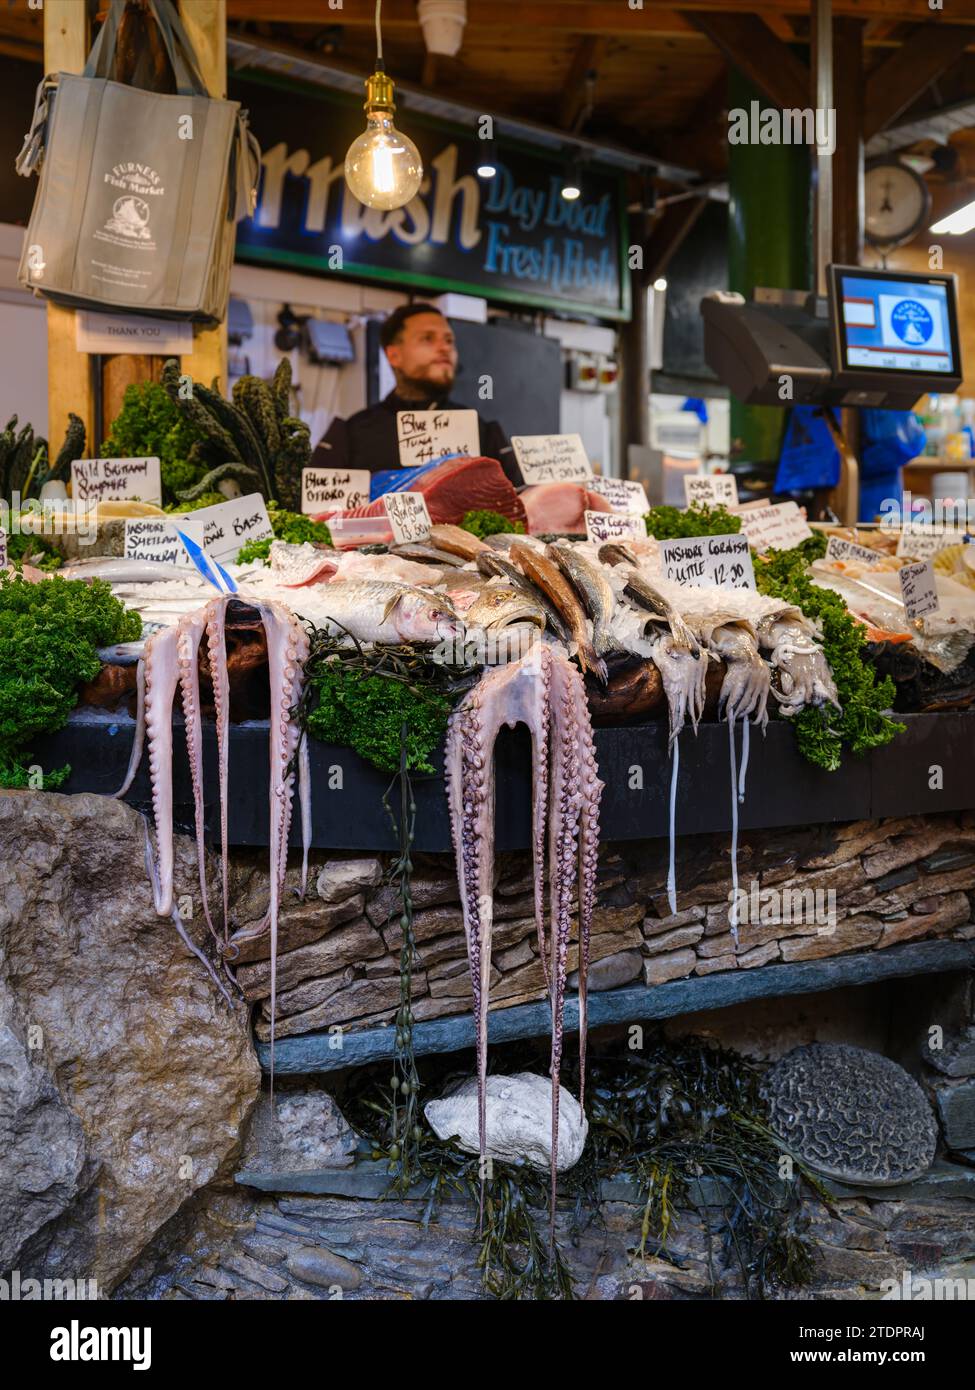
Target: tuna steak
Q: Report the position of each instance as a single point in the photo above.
(457, 486)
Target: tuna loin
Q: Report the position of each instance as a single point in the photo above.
(457, 486)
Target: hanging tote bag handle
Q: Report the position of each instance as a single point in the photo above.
(102, 58)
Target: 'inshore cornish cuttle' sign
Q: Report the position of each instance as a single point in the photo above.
(512, 238)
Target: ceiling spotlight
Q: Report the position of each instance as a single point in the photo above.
(660, 283)
(571, 181)
(487, 159)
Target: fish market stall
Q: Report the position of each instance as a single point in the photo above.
(479, 816)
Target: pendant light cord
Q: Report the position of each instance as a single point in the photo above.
(379, 37)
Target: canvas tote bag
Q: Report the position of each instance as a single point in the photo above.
(139, 192)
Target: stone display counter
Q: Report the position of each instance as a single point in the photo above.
(815, 893)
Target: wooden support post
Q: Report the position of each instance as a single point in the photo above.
(205, 22)
(848, 84)
(69, 381)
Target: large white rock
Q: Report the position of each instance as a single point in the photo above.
(519, 1120)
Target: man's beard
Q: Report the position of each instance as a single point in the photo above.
(418, 386)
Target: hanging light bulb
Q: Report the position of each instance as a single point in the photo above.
(487, 159)
(383, 168)
(572, 181)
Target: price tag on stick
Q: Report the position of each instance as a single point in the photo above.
(711, 489)
(702, 560)
(621, 494)
(613, 526)
(408, 516)
(919, 589)
(837, 549)
(776, 526)
(552, 458)
(156, 538)
(424, 436)
(116, 480)
(325, 488)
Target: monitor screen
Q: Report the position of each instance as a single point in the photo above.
(896, 323)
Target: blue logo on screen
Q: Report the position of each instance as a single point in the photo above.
(911, 322)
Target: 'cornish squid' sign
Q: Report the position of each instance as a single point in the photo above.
(513, 237)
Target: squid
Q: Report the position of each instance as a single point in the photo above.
(171, 661)
(804, 676)
(744, 696)
(544, 691)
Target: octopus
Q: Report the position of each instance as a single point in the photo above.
(545, 692)
(171, 662)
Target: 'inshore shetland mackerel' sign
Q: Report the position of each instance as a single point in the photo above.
(513, 237)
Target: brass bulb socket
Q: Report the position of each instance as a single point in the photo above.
(379, 93)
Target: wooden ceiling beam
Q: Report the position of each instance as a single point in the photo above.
(586, 60)
(578, 16)
(926, 53)
(749, 44)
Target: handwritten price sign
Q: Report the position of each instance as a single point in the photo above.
(702, 560)
(408, 516)
(552, 458)
(426, 435)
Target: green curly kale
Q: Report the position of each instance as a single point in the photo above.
(367, 713)
(486, 523)
(287, 526)
(674, 523)
(150, 425)
(865, 722)
(49, 633)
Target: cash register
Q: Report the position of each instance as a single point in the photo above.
(879, 338)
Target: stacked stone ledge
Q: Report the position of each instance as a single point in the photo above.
(894, 881)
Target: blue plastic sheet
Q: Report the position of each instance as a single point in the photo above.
(809, 458)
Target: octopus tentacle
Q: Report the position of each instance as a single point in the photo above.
(287, 648)
(216, 617)
(139, 737)
(545, 692)
(162, 676)
(189, 635)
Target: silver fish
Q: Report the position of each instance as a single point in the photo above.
(375, 611)
(119, 571)
(594, 589)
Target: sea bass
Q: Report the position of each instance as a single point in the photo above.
(380, 611)
(499, 606)
(549, 579)
(491, 563)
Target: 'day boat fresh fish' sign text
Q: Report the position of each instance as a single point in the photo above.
(513, 237)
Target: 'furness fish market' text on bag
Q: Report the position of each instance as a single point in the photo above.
(140, 192)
